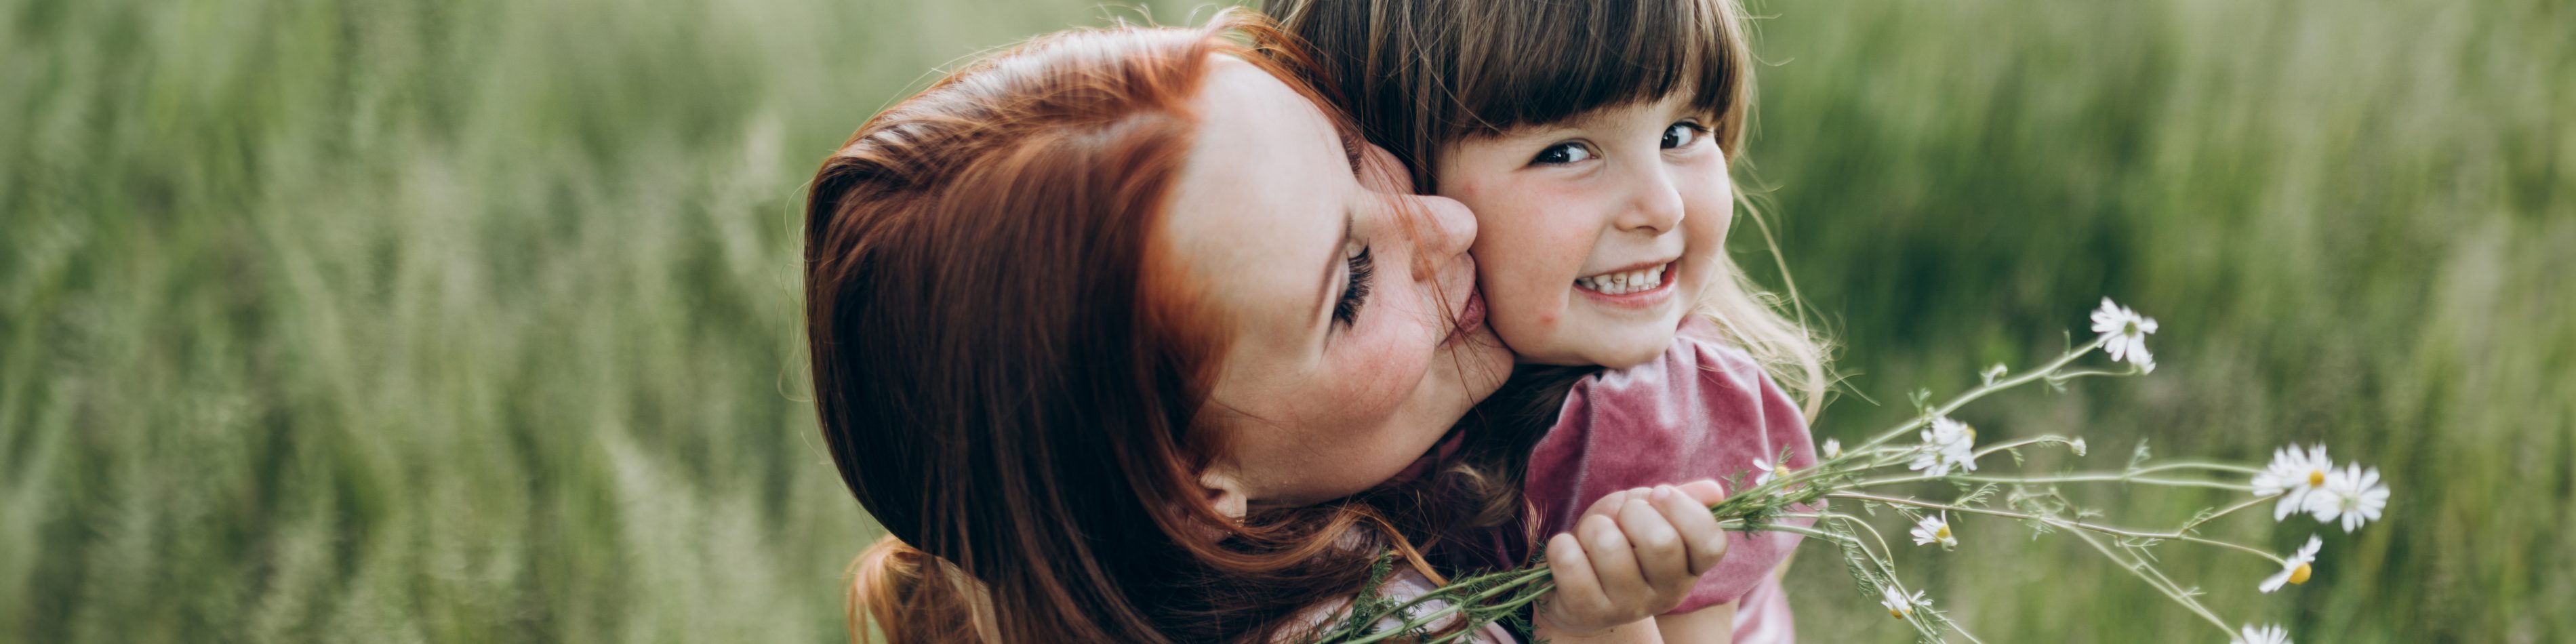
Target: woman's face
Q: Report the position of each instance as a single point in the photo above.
(1357, 334)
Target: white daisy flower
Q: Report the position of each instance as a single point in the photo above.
(1935, 529)
(2124, 334)
(1898, 604)
(2293, 474)
(1947, 444)
(2353, 495)
(2262, 635)
(2296, 570)
(1833, 448)
(1769, 471)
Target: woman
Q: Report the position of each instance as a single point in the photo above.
(1108, 331)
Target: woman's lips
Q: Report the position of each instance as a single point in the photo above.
(1471, 317)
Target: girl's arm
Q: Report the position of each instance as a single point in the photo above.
(1711, 624)
(1637, 632)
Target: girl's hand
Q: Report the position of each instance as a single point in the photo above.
(1634, 554)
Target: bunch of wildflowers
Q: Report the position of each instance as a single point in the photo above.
(2297, 481)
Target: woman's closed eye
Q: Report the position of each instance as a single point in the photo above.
(1355, 293)
(1563, 153)
(1683, 134)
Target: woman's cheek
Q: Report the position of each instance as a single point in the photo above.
(1378, 373)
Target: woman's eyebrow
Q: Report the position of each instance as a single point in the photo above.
(1324, 288)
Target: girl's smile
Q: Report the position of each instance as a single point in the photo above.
(1634, 287)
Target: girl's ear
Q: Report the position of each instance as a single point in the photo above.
(1224, 490)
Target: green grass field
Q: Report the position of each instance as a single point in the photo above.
(326, 320)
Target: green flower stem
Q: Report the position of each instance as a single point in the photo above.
(2066, 478)
(1990, 449)
(2188, 525)
(2162, 584)
(1991, 387)
(1524, 578)
(2058, 522)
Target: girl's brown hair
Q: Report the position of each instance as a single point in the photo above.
(1006, 366)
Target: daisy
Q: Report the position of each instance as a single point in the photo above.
(1935, 529)
(2294, 475)
(1769, 471)
(1833, 449)
(1898, 604)
(2262, 635)
(2354, 495)
(2124, 334)
(1947, 444)
(2296, 570)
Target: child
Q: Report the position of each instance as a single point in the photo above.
(1592, 140)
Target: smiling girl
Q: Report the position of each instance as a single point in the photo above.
(1593, 141)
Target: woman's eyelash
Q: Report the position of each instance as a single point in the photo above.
(1356, 292)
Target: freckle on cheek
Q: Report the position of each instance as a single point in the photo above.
(1372, 385)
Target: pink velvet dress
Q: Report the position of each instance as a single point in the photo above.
(1702, 410)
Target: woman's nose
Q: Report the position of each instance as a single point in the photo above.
(1655, 206)
(1449, 227)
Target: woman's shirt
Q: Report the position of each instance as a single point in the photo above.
(1702, 410)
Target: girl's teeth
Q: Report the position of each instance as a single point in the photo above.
(1623, 283)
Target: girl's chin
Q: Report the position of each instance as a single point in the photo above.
(1627, 351)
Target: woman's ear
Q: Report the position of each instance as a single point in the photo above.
(1223, 489)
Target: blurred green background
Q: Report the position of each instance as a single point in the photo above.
(473, 320)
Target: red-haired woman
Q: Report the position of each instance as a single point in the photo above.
(1122, 336)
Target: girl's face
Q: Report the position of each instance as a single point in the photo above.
(1356, 331)
(1598, 233)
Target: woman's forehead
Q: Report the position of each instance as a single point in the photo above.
(1260, 205)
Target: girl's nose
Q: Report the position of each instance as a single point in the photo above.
(1655, 206)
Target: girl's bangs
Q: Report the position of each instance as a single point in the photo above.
(1542, 61)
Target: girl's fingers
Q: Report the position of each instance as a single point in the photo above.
(1699, 531)
(1706, 492)
(1614, 562)
(1609, 503)
(1662, 558)
(1578, 588)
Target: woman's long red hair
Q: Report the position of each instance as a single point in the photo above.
(1006, 366)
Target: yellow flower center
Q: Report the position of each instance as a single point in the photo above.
(1896, 613)
(1944, 532)
(2300, 576)
(2316, 478)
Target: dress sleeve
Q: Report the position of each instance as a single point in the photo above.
(1702, 410)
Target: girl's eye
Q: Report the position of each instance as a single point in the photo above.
(1562, 153)
(1356, 292)
(1683, 135)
